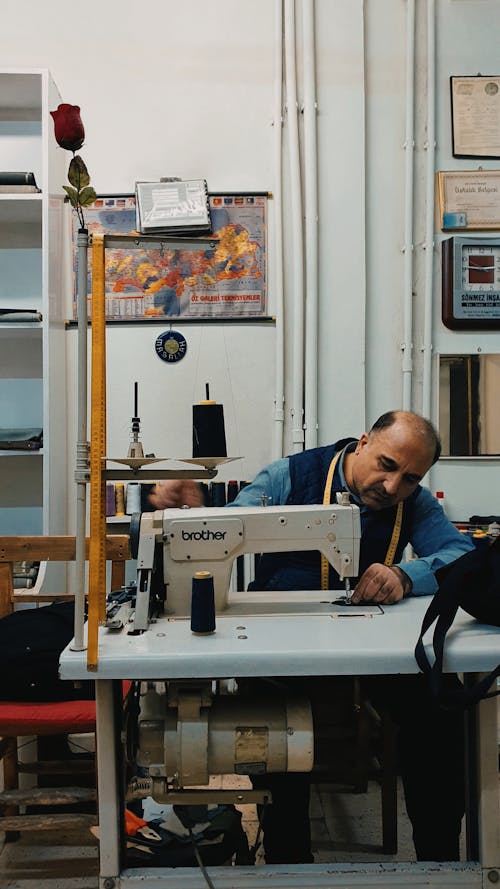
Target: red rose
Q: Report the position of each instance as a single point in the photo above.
(68, 127)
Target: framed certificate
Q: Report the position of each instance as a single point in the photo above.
(469, 199)
(475, 113)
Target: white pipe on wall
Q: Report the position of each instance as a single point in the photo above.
(408, 215)
(297, 248)
(311, 229)
(429, 208)
(279, 414)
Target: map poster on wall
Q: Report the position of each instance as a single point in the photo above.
(154, 284)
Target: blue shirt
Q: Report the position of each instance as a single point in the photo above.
(434, 539)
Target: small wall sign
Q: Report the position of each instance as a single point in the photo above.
(171, 346)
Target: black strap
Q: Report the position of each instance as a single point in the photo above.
(442, 609)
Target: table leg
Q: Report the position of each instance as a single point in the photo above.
(108, 784)
(488, 788)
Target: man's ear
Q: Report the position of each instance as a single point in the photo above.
(361, 443)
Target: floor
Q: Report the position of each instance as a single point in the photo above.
(345, 827)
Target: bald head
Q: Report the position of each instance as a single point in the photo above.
(418, 427)
(389, 461)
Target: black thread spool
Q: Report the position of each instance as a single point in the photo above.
(232, 490)
(146, 505)
(240, 563)
(209, 434)
(202, 604)
(205, 493)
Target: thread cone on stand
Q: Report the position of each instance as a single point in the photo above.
(209, 435)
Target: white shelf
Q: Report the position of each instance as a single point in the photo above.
(21, 209)
(8, 327)
(21, 452)
(22, 332)
(21, 94)
(33, 491)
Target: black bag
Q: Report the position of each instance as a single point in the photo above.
(222, 838)
(472, 582)
(31, 641)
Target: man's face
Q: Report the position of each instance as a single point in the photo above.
(388, 465)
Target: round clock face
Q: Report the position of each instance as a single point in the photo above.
(481, 268)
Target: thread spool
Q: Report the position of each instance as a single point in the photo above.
(209, 435)
(240, 561)
(133, 498)
(110, 498)
(119, 498)
(202, 604)
(218, 493)
(146, 488)
(232, 490)
(205, 493)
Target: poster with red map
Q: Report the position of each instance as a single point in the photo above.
(153, 284)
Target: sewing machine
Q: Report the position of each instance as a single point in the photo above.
(186, 732)
(192, 540)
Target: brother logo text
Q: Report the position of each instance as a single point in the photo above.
(203, 535)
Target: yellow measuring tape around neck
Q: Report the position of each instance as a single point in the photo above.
(97, 545)
(396, 531)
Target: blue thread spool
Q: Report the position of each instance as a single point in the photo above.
(218, 493)
(202, 604)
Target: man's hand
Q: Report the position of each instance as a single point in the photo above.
(175, 492)
(382, 585)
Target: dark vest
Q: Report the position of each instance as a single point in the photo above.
(302, 570)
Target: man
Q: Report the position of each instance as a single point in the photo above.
(381, 471)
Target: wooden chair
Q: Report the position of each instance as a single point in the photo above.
(21, 719)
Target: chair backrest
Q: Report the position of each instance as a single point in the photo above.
(55, 549)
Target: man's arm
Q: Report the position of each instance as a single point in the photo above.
(271, 486)
(175, 493)
(436, 542)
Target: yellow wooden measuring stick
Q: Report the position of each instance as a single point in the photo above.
(97, 546)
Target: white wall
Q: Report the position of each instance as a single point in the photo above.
(189, 90)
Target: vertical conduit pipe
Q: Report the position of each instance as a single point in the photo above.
(297, 263)
(408, 214)
(82, 455)
(279, 414)
(311, 229)
(429, 208)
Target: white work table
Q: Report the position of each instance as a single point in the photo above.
(313, 641)
(339, 641)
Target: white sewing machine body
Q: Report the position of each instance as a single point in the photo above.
(204, 539)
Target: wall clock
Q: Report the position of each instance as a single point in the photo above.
(471, 283)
